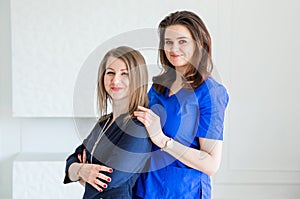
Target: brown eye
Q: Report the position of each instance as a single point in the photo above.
(167, 42)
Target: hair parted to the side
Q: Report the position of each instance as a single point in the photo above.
(138, 79)
(200, 66)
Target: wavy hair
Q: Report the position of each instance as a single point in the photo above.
(200, 66)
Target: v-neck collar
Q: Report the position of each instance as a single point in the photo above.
(174, 94)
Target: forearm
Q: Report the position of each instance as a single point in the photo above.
(194, 158)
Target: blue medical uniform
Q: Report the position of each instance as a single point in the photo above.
(185, 116)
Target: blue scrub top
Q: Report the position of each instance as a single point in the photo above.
(185, 116)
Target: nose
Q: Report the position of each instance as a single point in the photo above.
(117, 78)
(174, 47)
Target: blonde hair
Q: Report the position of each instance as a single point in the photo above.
(138, 78)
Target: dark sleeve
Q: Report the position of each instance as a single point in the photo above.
(129, 155)
(71, 159)
(79, 150)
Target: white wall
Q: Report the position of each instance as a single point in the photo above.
(256, 48)
(63, 39)
(41, 135)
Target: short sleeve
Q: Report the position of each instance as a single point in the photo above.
(212, 105)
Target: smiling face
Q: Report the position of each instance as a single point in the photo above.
(179, 45)
(116, 79)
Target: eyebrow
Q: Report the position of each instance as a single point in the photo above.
(177, 38)
(114, 69)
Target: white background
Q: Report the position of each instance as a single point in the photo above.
(44, 43)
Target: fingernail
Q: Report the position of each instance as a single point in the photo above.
(79, 154)
(108, 179)
(110, 170)
(100, 190)
(104, 185)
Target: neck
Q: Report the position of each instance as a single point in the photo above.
(119, 107)
(180, 70)
(176, 85)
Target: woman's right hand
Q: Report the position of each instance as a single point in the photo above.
(82, 159)
(92, 174)
(89, 173)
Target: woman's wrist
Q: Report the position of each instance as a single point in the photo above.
(160, 140)
(74, 171)
(168, 144)
(79, 169)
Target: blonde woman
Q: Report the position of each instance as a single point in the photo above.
(111, 158)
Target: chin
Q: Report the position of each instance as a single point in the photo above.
(179, 63)
(119, 97)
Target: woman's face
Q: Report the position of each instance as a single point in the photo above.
(116, 79)
(179, 45)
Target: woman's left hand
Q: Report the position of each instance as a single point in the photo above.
(152, 123)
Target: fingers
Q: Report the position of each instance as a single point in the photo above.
(95, 185)
(84, 156)
(144, 121)
(103, 177)
(146, 112)
(142, 108)
(147, 118)
(104, 168)
(92, 173)
(79, 157)
(99, 184)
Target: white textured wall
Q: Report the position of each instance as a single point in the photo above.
(256, 48)
(48, 135)
(46, 183)
(52, 40)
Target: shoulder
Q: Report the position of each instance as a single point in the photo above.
(134, 137)
(211, 87)
(137, 122)
(212, 93)
(152, 91)
(210, 84)
(154, 96)
(135, 128)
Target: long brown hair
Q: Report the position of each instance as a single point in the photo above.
(200, 67)
(138, 78)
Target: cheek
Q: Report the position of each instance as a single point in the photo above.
(167, 53)
(106, 81)
(189, 51)
(126, 82)
(167, 49)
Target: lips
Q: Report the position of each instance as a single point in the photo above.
(175, 56)
(116, 89)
